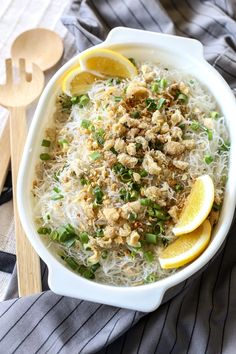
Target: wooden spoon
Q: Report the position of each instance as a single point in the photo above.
(42, 47)
(15, 97)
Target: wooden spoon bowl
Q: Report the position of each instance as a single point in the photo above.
(40, 46)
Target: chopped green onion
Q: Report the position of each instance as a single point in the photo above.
(83, 237)
(155, 87)
(134, 195)
(163, 83)
(143, 173)
(195, 125)
(113, 151)
(151, 278)
(146, 202)
(161, 215)
(44, 230)
(99, 118)
(161, 102)
(86, 273)
(64, 234)
(178, 187)
(159, 227)
(85, 123)
(45, 157)
(63, 142)
(132, 216)
(83, 100)
(56, 189)
(71, 262)
(208, 159)
(209, 134)
(181, 126)
(55, 176)
(151, 105)
(125, 195)
(148, 256)
(57, 197)
(99, 233)
(94, 267)
(99, 136)
(182, 97)
(74, 99)
(46, 143)
(135, 114)
(151, 238)
(225, 146)
(191, 82)
(214, 114)
(117, 98)
(98, 193)
(84, 181)
(95, 155)
(104, 254)
(126, 176)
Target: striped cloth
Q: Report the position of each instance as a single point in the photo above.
(199, 315)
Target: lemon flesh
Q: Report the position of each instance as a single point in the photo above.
(108, 63)
(78, 81)
(186, 248)
(197, 207)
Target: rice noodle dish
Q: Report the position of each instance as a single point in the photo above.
(116, 167)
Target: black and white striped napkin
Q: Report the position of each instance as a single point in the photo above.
(196, 317)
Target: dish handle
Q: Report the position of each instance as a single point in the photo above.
(146, 298)
(124, 35)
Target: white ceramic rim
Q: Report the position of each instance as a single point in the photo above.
(145, 297)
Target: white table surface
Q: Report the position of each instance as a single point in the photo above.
(17, 16)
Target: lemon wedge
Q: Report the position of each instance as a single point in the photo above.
(107, 62)
(79, 81)
(186, 248)
(197, 207)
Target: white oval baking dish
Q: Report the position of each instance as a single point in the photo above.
(185, 54)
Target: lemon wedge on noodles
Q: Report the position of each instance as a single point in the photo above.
(197, 207)
(79, 81)
(186, 248)
(107, 62)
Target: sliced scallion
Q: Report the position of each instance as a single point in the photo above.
(208, 159)
(95, 155)
(146, 202)
(163, 83)
(83, 237)
(151, 238)
(183, 98)
(46, 143)
(45, 157)
(214, 114)
(161, 103)
(83, 100)
(98, 193)
(148, 256)
(57, 197)
(135, 114)
(74, 99)
(44, 230)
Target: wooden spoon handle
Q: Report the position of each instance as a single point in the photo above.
(28, 262)
(4, 153)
